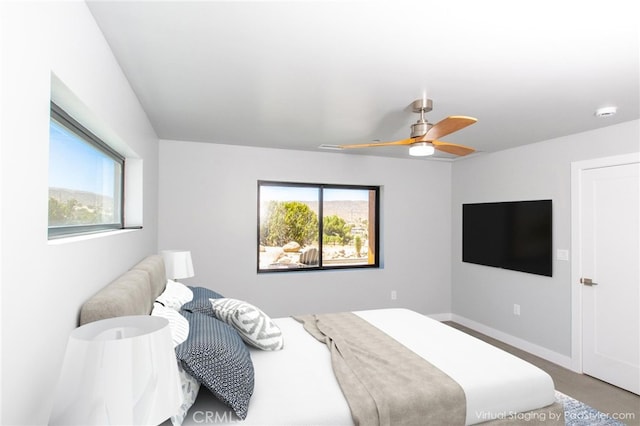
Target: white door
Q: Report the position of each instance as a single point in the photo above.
(610, 259)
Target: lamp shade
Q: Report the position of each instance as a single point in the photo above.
(120, 371)
(178, 264)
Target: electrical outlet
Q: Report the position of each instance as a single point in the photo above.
(516, 309)
(394, 295)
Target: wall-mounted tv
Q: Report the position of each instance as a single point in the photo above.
(514, 235)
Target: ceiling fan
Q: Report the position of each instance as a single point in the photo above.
(424, 135)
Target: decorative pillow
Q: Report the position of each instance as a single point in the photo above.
(215, 355)
(255, 327)
(175, 295)
(177, 323)
(200, 302)
(190, 388)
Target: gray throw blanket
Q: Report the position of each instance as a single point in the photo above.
(384, 382)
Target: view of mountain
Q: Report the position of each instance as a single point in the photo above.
(84, 198)
(350, 211)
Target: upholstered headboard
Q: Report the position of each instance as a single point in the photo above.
(132, 293)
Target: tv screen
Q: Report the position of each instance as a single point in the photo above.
(514, 235)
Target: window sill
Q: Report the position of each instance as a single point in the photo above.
(91, 236)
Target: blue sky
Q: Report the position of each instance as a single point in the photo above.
(74, 164)
(279, 193)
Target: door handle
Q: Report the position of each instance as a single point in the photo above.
(587, 281)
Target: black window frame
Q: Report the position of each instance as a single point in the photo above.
(321, 187)
(71, 124)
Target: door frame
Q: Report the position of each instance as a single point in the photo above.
(577, 168)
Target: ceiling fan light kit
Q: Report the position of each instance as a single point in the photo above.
(421, 149)
(424, 135)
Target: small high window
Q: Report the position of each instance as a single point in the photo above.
(304, 226)
(86, 179)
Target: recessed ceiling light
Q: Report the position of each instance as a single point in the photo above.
(606, 111)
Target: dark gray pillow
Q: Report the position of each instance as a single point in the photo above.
(216, 356)
(200, 302)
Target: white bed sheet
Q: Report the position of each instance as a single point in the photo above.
(296, 386)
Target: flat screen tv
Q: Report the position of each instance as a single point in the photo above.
(514, 235)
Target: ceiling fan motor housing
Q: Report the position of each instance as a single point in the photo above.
(422, 126)
(419, 129)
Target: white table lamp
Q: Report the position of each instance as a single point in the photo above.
(178, 264)
(118, 371)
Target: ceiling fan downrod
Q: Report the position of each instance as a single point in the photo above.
(421, 127)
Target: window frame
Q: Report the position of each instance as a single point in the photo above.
(321, 187)
(72, 125)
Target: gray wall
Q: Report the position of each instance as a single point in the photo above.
(486, 295)
(208, 204)
(44, 283)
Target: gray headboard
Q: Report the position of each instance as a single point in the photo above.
(132, 293)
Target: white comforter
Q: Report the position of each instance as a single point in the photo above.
(296, 386)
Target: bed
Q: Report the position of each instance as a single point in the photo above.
(294, 382)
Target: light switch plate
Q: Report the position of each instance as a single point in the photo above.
(562, 254)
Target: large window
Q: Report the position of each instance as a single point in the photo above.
(305, 226)
(86, 179)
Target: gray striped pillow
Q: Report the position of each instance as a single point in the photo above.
(254, 326)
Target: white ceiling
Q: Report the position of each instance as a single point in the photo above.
(299, 74)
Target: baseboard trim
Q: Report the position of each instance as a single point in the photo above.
(542, 352)
(440, 317)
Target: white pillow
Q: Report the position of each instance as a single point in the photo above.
(254, 326)
(190, 388)
(179, 327)
(175, 295)
(177, 323)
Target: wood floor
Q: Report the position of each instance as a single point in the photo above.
(596, 393)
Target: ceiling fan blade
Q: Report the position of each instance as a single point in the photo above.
(452, 148)
(448, 125)
(375, 144)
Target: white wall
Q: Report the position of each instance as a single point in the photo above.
(486, 295)
(43, 284)
(208, 204)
